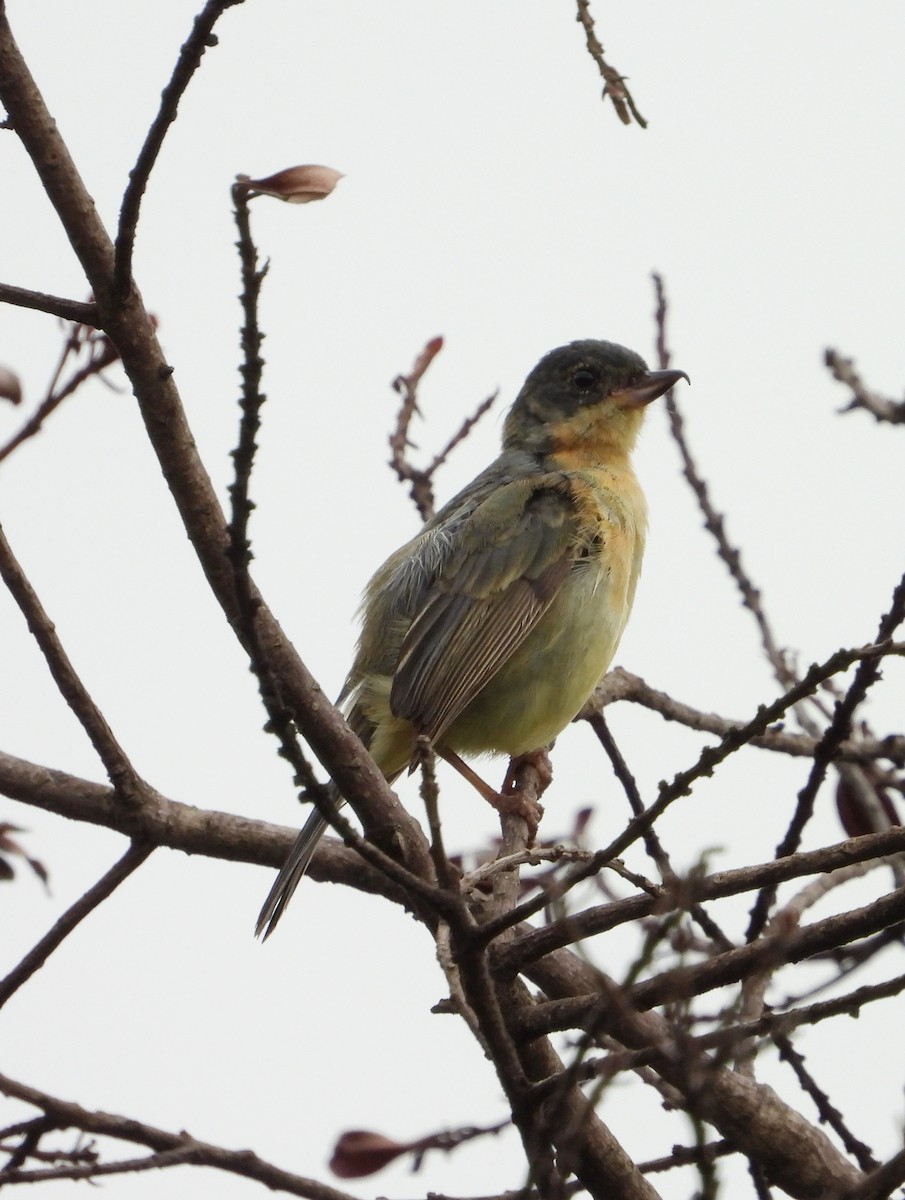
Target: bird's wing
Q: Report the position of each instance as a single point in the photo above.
(508, 561)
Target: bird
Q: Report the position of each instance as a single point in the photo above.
(489, 630)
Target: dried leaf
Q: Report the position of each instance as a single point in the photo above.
(10, 386)
(9, 845)
(360, 1152)
(858, 818)
(295, 185)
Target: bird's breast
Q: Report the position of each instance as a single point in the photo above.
(538, 691)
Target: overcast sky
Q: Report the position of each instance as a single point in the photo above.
(491, 197)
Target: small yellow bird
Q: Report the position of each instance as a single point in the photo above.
(488, 631)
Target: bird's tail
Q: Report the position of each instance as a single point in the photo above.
(291, 872)
(295, 866)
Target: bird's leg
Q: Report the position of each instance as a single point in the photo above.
(518, 795)
(450, 756)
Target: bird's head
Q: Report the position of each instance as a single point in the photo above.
(587, 395)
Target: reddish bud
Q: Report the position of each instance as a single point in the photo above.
(10, 387)
(295, 185)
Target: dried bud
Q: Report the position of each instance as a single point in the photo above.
(360, 1152)
(295, 185)
(10, 387)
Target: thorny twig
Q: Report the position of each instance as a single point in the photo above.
(421, 479)
(281, 719)
(880, 407)
(614, 84)
(862, 793)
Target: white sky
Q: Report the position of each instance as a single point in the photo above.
(491, 197)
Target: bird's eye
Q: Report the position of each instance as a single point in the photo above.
(584, 379)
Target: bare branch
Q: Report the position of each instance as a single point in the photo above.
(180, 826)
(796, 1156)
(579, 1011)
(839, 728)
(130, 327)
(57, 306)
(680, 786)
(620, 684)
(67, 1115)
(770, 952)
(535, 943)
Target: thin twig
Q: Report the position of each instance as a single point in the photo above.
(67, 1115)
(77, 311)
(866, 674)
(98, 1170)
(652, 844)
(651, 841)
(102, 353)
(827, 1111)
(732, 966)
(620, 685)
(200, 39)
(683, 1156)
(613, 83)
(880, 407)
(535, 943)
(461, 433)
(681, 785)
(854, 778)
(119, 769)
(105, 886)
(581, 1011)
(714, 521)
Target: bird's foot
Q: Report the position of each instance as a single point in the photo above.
(527, 778)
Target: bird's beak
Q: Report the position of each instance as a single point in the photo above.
(651, 385)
